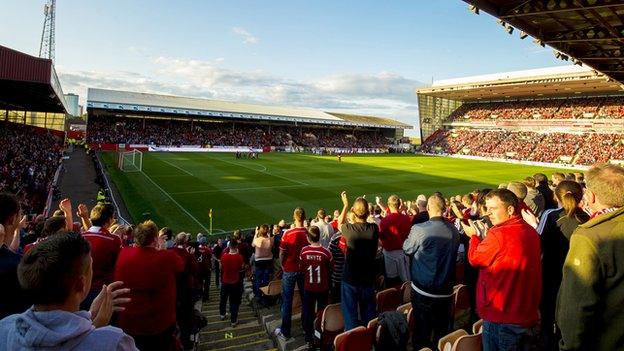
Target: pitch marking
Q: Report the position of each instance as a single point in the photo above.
(265, 171)
(236, 189)
(175, 202)
(178, 167)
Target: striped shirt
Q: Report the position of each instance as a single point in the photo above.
(338, 256)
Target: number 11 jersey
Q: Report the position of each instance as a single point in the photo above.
(316, 265)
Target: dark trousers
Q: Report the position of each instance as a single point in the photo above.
(358, 305)
(335, 292)
(262, 274)
(289, 280)
(217, 271)
(506, 337)
(432, 318)
(206, 285)
(233, 292)
(312, 302)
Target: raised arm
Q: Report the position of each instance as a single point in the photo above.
(345, 208)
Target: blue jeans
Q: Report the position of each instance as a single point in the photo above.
(505, 337)
(357, 298)
(262, 274)
(289, 279)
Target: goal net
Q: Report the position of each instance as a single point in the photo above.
(130, 161)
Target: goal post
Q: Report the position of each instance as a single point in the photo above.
(130, 161)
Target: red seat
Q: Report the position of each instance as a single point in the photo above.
(331, 324)
(388, 300)
(357, 339)
(406, 289)
(461, 307)
(468, 343)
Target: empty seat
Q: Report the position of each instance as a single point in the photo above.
(461, 307)
(477, 327)
(405, 308)
(356, 339)
(406, 290)
(274, 288)
(468, 343)
(331, 324)
(388, 300)
(446, 342)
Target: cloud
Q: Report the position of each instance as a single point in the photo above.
(248, 38)
(384, 94)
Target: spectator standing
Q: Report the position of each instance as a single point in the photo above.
(57, 276)
(316, 266)
(543, 188)
(150, 274)
(508, 287)
(217, 250)
(433, 246)
(105, 248)
(338, 258)
(291, 244)
(186, 287)
(204, 261)
(263, 260)
(393, 230)
(358, 284)
(327, 231)
(232, 265)
(589, 305)
(12, 300)
(534, 199)
(555, 232)
(422, 215)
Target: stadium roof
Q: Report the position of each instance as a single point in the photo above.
(590, 31)
(560, 81)
(177, 105)
(29, 83)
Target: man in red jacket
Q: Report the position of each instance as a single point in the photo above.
(510, 284)
(105, 248)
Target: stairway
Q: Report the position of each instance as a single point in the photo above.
(218, 335)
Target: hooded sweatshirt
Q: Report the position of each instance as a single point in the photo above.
(59, 330)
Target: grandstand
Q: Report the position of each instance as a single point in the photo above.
(567, 115)
(120, 117)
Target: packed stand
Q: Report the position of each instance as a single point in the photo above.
(175, 133)
(571, 108)
(567, 148)
(29, 157)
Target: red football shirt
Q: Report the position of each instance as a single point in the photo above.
(292, 242)
(231, 266)
(105, 248)
(316, 266)
(150, 275)
(393, 230)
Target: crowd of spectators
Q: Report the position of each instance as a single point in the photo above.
(568, 148)
(29, 157)
(571, 108)
(166, 132)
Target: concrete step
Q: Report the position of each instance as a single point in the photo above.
(258, 345)
(229, 339)
(211, 335)
(219, 325)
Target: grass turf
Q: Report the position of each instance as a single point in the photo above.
(178, 189)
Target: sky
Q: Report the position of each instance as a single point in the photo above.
(354, 56)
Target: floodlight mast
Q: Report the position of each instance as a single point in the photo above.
(46, 47)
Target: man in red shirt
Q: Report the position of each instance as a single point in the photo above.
(105, 248)
(509, 286)
(150, 274)
(186, 287)
(316, 265)
(231, 284)
(393, 230)
(292, 242)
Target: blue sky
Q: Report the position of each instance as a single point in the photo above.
(361, 56)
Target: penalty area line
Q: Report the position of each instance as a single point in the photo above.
(175, 202)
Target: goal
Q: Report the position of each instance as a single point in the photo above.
(130, 161)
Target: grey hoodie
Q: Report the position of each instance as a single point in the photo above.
(59, 330)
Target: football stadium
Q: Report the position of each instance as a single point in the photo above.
(147, 219)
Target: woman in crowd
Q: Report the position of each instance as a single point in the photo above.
(263, 260)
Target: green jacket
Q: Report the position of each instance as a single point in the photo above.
(590, 305)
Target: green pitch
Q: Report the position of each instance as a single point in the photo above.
(178, 189)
